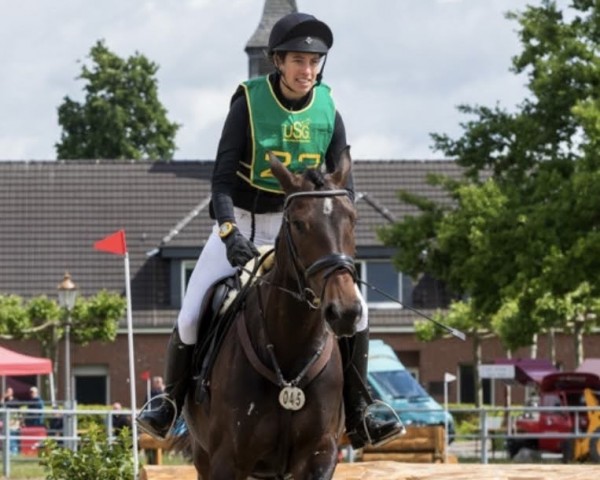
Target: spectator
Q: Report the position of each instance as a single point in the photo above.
(119, 421)
(35, 402)
(56, 426)
(8, 399)
(158, 388)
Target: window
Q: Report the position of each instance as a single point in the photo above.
(399, 384)
(382, 275)
(187, 267)
(91, 384)
(466, 389)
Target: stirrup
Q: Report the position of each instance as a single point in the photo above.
(167, 398)
(366, 413)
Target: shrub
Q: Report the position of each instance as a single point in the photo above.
(95, 458)
(84, 421)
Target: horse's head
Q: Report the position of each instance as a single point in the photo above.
(317, 238)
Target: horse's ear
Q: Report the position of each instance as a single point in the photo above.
(281, 173)
(340, 176)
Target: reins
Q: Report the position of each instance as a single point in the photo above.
(330, 264)
(457, 333)
(336, 261)
(291, 395)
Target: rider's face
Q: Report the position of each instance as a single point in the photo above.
(299, 71)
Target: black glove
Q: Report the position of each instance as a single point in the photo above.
(240, 250)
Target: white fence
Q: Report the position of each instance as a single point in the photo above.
(29, 428)
(495, 426)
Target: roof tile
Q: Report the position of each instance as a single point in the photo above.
(51, 213)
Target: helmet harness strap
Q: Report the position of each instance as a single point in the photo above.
(320, 74)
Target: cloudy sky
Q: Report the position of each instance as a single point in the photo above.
(398, 68)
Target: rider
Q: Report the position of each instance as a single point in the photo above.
(291, 113)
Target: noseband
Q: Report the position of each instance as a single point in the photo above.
(328, 264)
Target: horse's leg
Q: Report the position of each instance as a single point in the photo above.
(201, 461)
(318, 463)
(222, 467)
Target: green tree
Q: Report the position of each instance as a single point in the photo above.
(43, 320)
(122, 117)
(521, 242)
(462, 316)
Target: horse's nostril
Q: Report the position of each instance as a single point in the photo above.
(332, 311)
(343, 319)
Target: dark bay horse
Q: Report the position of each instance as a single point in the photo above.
(275, 405)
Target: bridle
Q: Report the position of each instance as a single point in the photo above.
(330, 263)
(327, 264)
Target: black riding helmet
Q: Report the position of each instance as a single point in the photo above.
(300, 32)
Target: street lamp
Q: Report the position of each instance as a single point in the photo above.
(67, 293)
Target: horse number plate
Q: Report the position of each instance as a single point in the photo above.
(292, 398)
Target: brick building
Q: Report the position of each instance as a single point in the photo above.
(52, 212)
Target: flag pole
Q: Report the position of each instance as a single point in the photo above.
(131, 367)
(148, 392)
(117, 245)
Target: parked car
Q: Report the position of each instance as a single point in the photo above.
(391, 383)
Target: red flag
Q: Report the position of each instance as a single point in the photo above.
(114, 243)
(145, 375)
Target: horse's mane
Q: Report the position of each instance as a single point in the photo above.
(316, 177)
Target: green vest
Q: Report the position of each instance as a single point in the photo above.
(298, 138)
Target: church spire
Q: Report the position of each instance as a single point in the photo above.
(256, 48)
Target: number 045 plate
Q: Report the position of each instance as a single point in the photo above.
(292, 398)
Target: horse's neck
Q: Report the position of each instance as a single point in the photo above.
(289, 324)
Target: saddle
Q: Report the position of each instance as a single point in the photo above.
(220, 307)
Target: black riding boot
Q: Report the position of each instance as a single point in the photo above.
(362, 429)
(157, 422)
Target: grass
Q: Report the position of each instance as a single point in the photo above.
(28, 468)
(24, 468)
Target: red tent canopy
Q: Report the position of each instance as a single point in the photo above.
(15, 364)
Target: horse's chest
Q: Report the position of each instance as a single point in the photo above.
(254, 414)
(269, 413)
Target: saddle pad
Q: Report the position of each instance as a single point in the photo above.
(266, 259)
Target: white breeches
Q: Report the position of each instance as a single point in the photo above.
(212, 266)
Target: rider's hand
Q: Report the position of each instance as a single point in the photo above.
(240, 250)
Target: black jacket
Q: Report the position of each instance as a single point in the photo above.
(235, 145)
